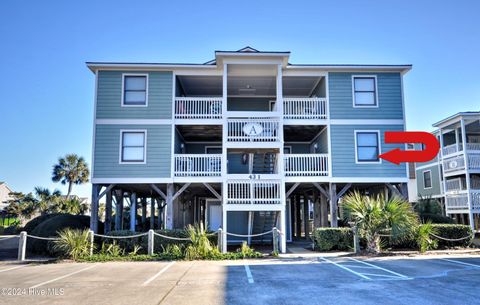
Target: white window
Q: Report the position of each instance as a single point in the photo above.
(134, 90)
(132, 148)
(367, 146)
(427, 179)
(365, 91)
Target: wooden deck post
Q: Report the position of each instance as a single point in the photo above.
(133, 211)
(152, 213)
(108, 213)
(169, 206)
(94, 208)
(118, 209)
(298, 217)
(333, 205)
(323, 211)
(306, 217)
(144, 213)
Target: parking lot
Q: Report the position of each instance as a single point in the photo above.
(314, 280)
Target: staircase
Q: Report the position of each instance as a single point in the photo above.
(264, 163)
(263, 221)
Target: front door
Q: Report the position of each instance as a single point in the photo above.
(214, 215)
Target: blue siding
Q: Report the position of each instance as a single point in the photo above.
(107, 146)
(343, 153)
(389, 97)
(322, 143)
(109, 97)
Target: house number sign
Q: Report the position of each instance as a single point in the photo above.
(252, 129)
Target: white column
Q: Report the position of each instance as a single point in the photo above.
(457, 140)
(224, 218)
(467, 174)
(133, 211)
(224, 157)
(280, 162)
(440, 161)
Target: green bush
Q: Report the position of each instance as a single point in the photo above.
(73, 243)
(425, 239)
(435, 218)
(11, 230)
(326, 239)
(51, 227)
(32, 224)
(453, 231)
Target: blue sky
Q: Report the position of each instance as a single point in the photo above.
(47, 92)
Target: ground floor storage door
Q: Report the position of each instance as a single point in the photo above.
(214, 215)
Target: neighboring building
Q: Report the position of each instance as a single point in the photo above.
(245, 142)
(446, 177)
(4, 195)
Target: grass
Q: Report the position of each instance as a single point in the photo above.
(161, 257)
(9, 221)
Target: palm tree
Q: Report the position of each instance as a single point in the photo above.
(46, 199)
(375, 216)
(70, 169)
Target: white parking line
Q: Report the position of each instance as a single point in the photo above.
(377, 267)
(63, 276)
(461, 263)
(13, 268)
(345, 268)
(158, 274)
(249, 274)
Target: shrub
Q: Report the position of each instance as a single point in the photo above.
(51, 228)
(453, 231)
(72, 243)
(32, 224)
(11, 230)
(326, 239)
(425, 239)
(435, 218)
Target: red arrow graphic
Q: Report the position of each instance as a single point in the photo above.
(397, 156)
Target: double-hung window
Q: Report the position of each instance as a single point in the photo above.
(365, 91)
(427, 179)
(133, 147)
(368, 146)
(134, 90)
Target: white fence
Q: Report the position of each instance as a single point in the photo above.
(452, 148)
(456, 202)
(305, 108)
(253, 192)
(454, 164)
(474, 161)
(253, 130)
(306, 164)
(197, 165)
(198, 107)
(456, 184)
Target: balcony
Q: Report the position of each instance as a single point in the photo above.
(458, 163)
(458, 203)
(197, 165)
(452, 148)
(250, 193)
(198, 108)
(310, 108)
(455, 185)
(253, 130)
(306, 165)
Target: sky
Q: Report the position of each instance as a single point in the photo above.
(46, 100)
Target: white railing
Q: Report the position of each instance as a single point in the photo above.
(305, 108)
(198, 107)
(253, 130)
(474, 161)
(475, 201)
(451, 149)
(456, 184)
(456, 202)
(454, 164)
(207, 165)
(253, 192)
(306, 164)
(473, 146)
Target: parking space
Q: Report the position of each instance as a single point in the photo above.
(339, 280)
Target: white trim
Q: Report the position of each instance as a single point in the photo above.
(94, 125)
(174, 128)
(368, 179)
(427, 165)
(329, 130)
(212, 146)
(377, 102)
(367, 122)
(131, 180)
(123, 89)
(122, 131)
(423, 179)
(289, 147)
(378, 142)
(134, 121)
(208, 203)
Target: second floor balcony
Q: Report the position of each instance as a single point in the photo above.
(253, 130)
(455, 164)
(298, 165)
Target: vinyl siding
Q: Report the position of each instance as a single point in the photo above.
(107, 150)
(109, 97)
(343, 153)
(322, 143)
(436, 186)
(390, 104)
